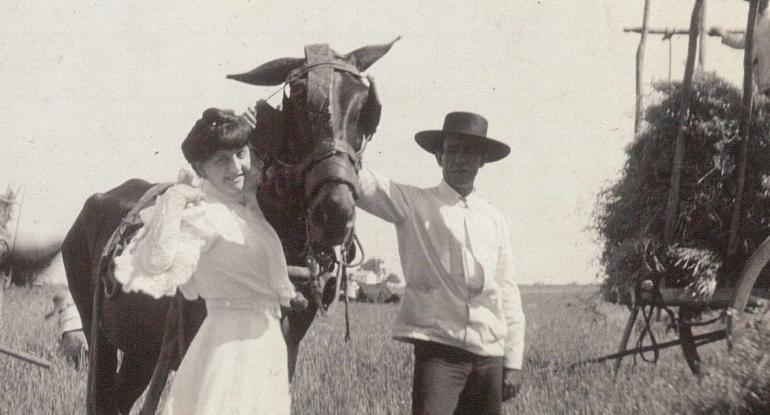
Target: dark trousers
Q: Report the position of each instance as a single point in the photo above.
(450, 380)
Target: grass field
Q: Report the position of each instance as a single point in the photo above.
(371, 374)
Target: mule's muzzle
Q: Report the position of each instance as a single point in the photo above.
(332, 214)
(332, 187)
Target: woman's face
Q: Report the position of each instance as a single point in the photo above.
(227, 169)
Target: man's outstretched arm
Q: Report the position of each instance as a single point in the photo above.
(382, 197)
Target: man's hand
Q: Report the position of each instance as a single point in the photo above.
(511, 383)
(716, 31)
(73, 347)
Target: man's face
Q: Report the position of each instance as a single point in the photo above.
(460, 162)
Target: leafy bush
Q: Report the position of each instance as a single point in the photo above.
(630, 214)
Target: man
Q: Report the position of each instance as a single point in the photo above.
(737, 40)
(72, 340)
(462, 308)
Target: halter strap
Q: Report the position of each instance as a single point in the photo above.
(338, 65)
(321, 57)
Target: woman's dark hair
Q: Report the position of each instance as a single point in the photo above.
(216, 130)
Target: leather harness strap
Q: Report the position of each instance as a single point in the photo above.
(331, 160)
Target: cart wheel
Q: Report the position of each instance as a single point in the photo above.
(749, 275)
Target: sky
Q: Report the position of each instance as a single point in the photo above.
(95, 93)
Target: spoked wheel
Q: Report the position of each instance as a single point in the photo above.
(745, 288)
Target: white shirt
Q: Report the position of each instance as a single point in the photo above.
(476, 307)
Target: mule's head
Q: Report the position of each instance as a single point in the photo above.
(329, 113)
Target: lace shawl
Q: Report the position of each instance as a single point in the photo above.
(164, 253)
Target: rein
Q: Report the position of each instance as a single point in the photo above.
(338, 258)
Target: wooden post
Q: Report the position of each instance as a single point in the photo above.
(748, 89)
(26, 357)
(639, 115)
(689, 345)
(626, 336)
(702, 39)
(2, 294)
(676, 170)
(668, 32)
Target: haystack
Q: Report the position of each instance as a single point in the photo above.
(29, 254)
(7, 201)
(629, 218)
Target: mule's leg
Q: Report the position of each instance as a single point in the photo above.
(77, 258)
(80, 252)
(103, 373)
(163, 365)
(134, 375)
(103, 362)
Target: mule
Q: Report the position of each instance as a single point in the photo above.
(312, 149)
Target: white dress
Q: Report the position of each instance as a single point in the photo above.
(225, 251)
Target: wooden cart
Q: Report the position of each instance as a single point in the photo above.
(684, 312)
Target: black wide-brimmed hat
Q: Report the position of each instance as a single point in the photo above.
(468, 126)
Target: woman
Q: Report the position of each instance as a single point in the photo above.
(214, 242)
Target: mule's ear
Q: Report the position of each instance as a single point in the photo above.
(270, 73)
(369, 118)
(364, 57)
(267, 136)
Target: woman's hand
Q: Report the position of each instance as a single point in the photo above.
(250, 115)
(299, 302)
(187, 186)
(188, 176)
(187, 193)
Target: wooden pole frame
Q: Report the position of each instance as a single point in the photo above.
(639, 114)
(26, 357)
(702, 38)
(679, 146)
(745, 127)
(668, 31)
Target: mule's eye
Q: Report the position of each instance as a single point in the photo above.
(296, 88)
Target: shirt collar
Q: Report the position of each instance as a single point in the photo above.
(450, 195)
